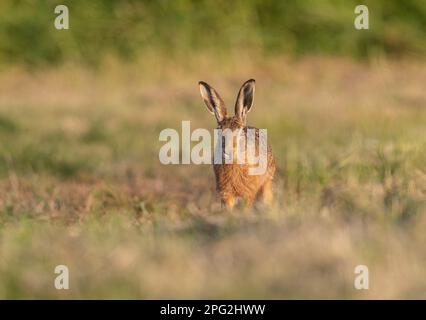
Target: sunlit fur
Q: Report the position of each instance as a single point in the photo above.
(233, 180)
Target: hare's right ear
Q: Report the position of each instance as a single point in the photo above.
(213, 101)
(245, 100)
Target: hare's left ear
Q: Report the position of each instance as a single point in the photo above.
(245, 99)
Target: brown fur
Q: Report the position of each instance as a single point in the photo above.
(233, 180)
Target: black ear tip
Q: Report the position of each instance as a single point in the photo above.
(202, 83)
(251, 81)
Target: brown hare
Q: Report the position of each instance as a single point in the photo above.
(233, 180)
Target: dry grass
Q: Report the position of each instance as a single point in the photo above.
(81, 183)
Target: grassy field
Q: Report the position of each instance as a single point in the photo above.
(81, 183)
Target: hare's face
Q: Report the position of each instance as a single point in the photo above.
(233, 138)
(232, 128)
(231, 123)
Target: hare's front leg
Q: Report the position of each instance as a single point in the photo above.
(266, 192)
(228, 202)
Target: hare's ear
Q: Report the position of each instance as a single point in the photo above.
(245, 99)
(213, 101)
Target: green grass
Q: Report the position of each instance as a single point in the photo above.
(81, 184)
(131, 29)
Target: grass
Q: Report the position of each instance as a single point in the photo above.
(99, 29)
(81, 184)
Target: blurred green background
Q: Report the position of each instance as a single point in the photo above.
(128, 29)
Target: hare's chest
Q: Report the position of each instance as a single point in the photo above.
(235, 179)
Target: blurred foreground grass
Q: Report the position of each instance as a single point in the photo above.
(81, 183)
